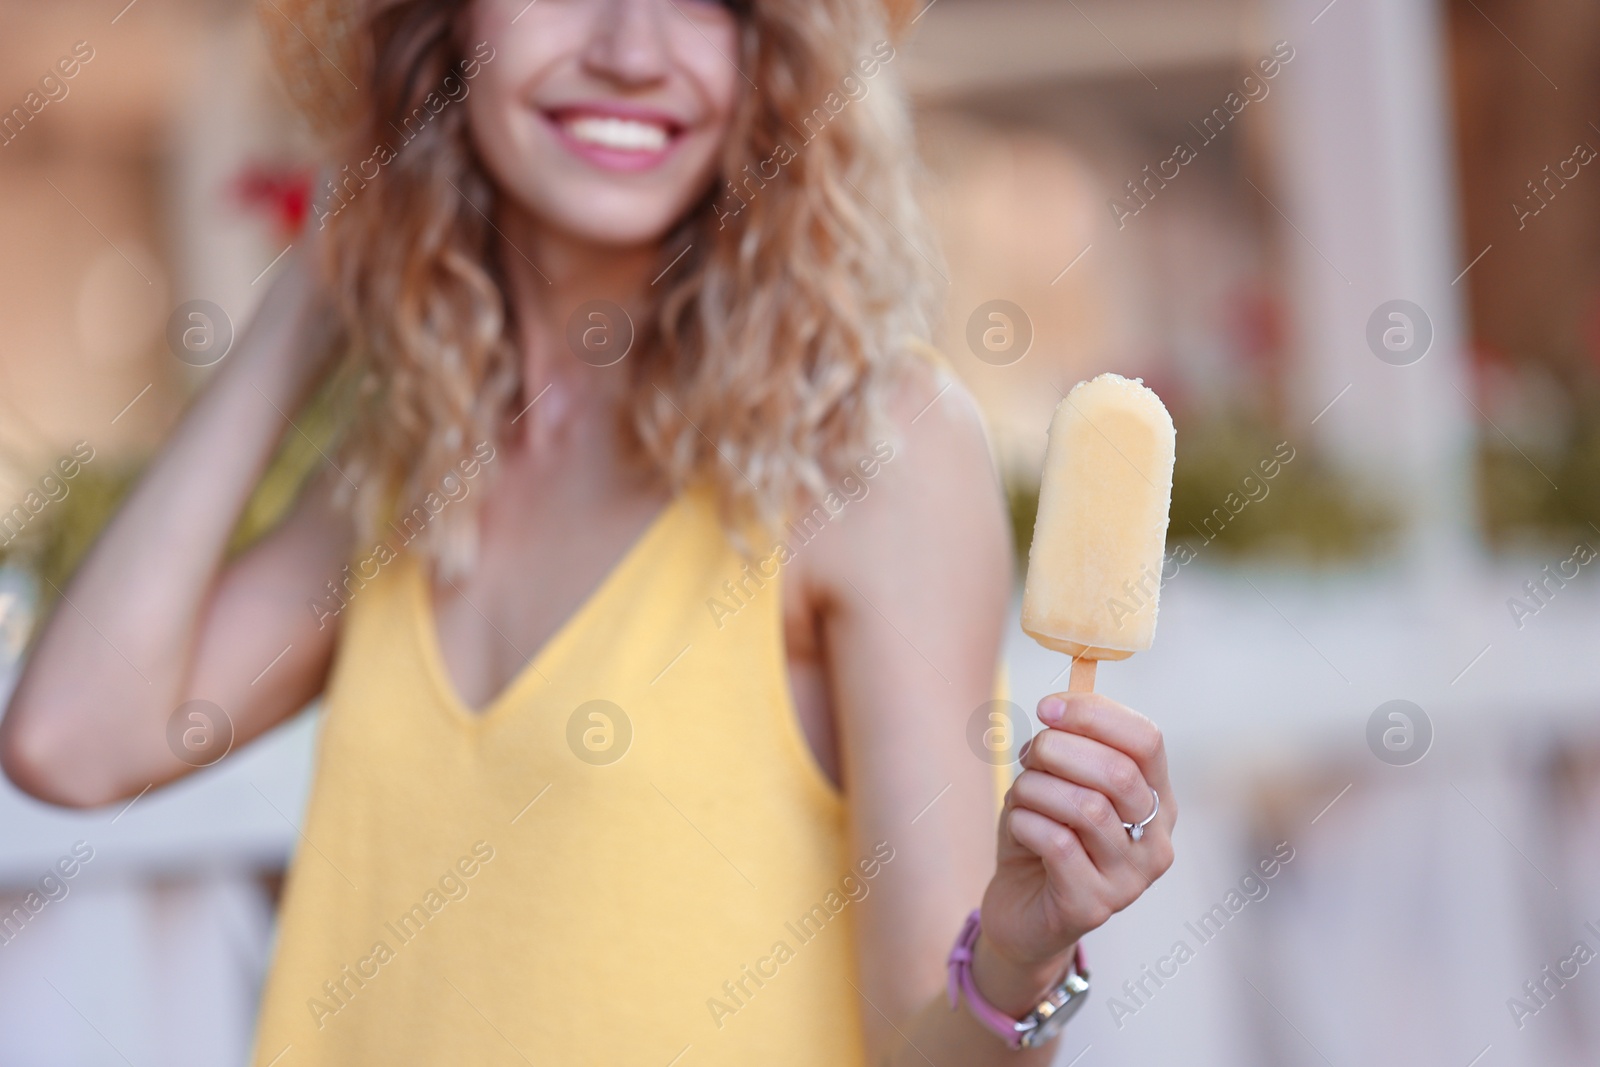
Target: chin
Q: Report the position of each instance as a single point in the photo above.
(608, 218)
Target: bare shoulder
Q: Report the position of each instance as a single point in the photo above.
(929, 502)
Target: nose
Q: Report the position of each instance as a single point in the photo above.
(628, 41)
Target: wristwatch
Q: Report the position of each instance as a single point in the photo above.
(1041, 1024)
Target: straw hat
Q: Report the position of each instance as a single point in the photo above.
(314, 45)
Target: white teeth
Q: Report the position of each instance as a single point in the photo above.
(625, 134)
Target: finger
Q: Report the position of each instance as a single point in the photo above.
(1086, 813)
(1113, 724)
(1096, 765)
(1066, 863)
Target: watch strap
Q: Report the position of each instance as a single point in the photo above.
(1012, 1031)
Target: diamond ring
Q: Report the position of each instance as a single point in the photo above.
(1136, 829)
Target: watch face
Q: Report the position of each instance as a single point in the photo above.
(1050, 1027)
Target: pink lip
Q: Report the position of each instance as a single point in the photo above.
(614, 159)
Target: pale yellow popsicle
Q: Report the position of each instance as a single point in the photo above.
(1094, 569)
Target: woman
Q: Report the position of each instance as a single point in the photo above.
(652, 589)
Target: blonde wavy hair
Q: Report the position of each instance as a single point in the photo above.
(764, 364)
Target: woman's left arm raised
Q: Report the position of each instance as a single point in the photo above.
(913, 588)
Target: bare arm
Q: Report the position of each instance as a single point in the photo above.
(153, 618)
(916, 592)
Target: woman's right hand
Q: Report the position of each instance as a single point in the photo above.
(156, 617)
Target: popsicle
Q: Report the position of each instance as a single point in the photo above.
(1094, 568)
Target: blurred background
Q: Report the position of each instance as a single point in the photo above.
(1355, 246)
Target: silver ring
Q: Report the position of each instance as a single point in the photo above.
(1136, 829)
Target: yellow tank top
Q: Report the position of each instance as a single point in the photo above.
(630, 856)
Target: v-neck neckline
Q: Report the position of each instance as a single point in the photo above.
(427, 628)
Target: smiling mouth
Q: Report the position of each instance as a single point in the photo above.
(615, 139)
(622, 135)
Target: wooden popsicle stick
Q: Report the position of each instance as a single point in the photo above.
(1082, 680)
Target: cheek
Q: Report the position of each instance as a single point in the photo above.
(521, 57)
(710, 66)
(501, 126)
(490, 111)
(720, 89)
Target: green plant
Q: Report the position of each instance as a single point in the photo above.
(1306, 512)
(54, 543)
(1543, 495)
